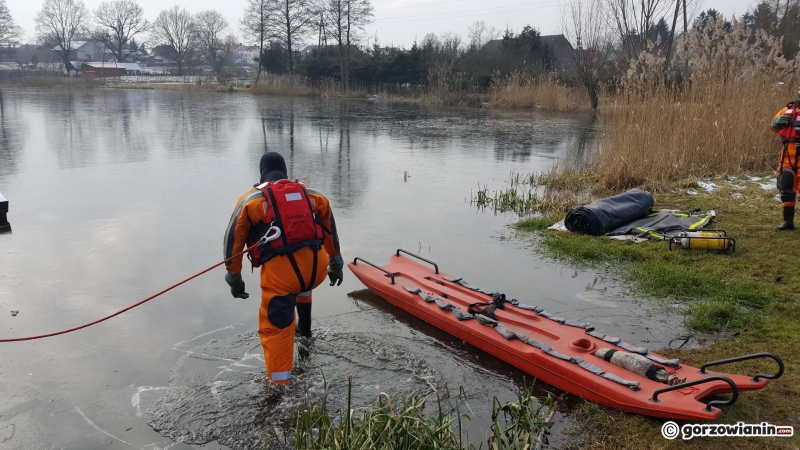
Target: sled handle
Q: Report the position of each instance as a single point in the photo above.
(391, 275)
(709, 405)
(435, 266)
(757, 376)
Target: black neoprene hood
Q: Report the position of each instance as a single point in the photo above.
(272, 167)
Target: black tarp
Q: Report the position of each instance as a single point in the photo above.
(610, 213)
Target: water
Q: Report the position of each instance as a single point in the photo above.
(115, 195)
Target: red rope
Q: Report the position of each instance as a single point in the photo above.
(129, 307)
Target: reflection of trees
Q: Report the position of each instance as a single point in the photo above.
(70, 135)
(79, 125)
(9, 145)
(318, 144)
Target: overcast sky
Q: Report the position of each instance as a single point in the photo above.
(396, 22)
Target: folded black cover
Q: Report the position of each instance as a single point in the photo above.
(610, 213)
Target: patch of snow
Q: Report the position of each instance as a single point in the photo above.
(691, 192)
(708, 187)
(736, 195)
(738, 188)
(767, 186)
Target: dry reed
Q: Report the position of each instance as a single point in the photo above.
(56, 82)
(520, 90)
(662, 127)
(271, 84)
(446, 88)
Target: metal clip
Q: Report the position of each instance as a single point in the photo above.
(267, 238)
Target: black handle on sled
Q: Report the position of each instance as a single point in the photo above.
(732, 400)
(435, 266)
(355, 263)
(757, 376)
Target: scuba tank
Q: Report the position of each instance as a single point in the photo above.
(711, 240)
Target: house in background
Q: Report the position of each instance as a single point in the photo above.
(245, 54)
(109, 69)
(563, 52)
(85, 51)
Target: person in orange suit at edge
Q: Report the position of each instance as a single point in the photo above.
(291, 265)
(787, 124)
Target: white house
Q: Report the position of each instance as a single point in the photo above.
(84, 51)
(245, 54)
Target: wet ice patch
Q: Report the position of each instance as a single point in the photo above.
(219, 390)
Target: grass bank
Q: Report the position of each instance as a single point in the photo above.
(754, 294)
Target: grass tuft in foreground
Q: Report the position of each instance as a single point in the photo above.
(389, 426)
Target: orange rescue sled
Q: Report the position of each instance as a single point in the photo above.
(555, 350)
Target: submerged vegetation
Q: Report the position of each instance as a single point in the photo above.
(390, 426)
(557, 190)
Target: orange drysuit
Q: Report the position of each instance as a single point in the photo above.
(281, 287)
(788, 181)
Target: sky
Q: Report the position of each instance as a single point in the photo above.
(396, 23)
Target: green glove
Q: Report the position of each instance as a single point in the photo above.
(237, 285)
(780, 122)
(335, 272)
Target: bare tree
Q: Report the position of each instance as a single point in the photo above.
(292, 19)
(58, 23)
(10, 32)
(255, 26)
(632, 21)
(479, 34)
(117, 24)
(348, 18)
(210, 35)
(174, 28)
(583, 25)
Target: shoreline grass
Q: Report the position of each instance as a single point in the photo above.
(754, 294)
(392, 426)
(513, 92)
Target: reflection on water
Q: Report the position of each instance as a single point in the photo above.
(118, 194)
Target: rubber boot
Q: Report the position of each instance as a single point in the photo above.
(788, 219)
(304, 320)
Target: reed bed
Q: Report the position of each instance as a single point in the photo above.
(405, 426)
(712, 118)
(555, 191)
(521, 90)
(271, 84)
(447, 88)
(55, 82)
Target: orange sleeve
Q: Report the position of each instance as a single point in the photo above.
(246, 213)
(331, 243)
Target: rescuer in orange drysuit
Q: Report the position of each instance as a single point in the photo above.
(787, 124)
(286, 280)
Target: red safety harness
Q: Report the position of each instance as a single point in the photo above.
(791, 133)
(288, 208)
